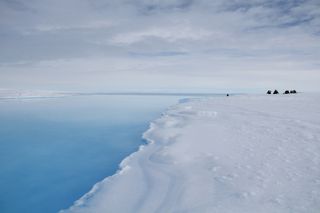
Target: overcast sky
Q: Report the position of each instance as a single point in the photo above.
(154, 45)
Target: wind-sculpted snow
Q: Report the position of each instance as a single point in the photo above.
(238, 154)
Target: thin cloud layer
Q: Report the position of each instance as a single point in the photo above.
(177, 44)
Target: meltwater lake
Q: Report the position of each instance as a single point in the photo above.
(53, 150)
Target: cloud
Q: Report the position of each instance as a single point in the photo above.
(82, 26)
(201, 39)
(169, 34)
(17, 5)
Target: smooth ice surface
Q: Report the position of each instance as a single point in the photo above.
(53, 150)
(237, 154)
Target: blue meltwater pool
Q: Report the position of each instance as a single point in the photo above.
(53, 150)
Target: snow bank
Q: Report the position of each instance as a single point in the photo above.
(237, 154)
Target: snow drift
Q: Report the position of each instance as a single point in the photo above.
(224, 154)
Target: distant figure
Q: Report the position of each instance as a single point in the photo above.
(227, 94)
(293, 91)
(286, 92)
(269, 92)
(275, 92)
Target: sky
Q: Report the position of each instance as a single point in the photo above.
(160, 46)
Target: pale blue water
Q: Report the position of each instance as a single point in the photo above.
(52, 151)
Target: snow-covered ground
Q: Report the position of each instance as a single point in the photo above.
(238, 154)
(15, 94)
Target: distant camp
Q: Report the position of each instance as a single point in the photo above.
(285, 92)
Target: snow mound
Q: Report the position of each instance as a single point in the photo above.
(240, 154)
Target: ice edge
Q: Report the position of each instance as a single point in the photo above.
(123, 166)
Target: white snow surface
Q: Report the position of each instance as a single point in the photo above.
(22, 94)
(237, 154)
